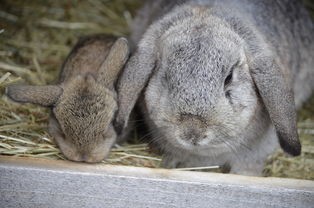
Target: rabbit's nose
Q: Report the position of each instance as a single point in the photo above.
(76, 158)
(80, 158)
(193, 136)
(91, 158)
(84, 157)
(194, 140)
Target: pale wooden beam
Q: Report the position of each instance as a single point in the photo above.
(47, 183)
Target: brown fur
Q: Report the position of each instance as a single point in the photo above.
(83, 102)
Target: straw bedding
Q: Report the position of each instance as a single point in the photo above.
(36, 36)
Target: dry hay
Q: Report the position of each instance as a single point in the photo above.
(35, 37)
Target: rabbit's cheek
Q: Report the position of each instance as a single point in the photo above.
(243, 100)
(67, 149)
(101, 151)
(65, 146)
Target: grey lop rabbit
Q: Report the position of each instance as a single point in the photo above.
(83, 102)
(219, 81)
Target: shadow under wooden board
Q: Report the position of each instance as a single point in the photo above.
(27, 182)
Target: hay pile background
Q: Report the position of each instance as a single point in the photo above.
(36, 36)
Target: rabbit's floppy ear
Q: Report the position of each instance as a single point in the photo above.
(42, 95)
(139, 68)
(133, 79)
(278, 97)
(114, 62)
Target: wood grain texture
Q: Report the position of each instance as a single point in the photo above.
(47, 183)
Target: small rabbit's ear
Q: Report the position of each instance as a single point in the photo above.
(41, 95)
(133, 79)
(278, 98)
(114, 62)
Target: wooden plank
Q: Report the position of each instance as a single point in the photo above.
(47, 183)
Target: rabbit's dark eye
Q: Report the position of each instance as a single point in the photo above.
(228, 79)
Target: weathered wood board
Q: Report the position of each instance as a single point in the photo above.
(47, 183)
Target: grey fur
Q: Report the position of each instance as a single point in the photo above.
(186, 50)
(83, 103)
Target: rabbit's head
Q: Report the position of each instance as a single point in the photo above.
(204, 91)
(83, 105)
(210, 100)
(209, 84)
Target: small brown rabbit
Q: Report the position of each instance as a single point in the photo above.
(83, 103)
